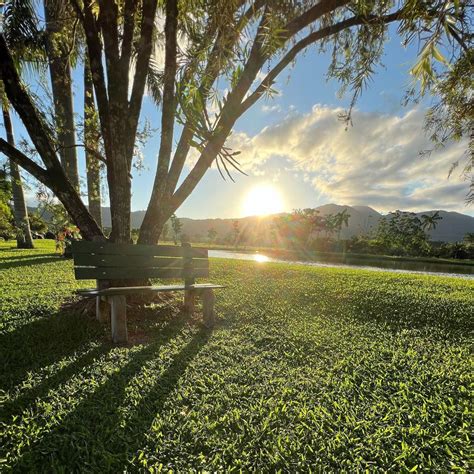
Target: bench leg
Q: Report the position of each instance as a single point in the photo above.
(119, 318)
(102, 309)
(189, 301)
(208, 299)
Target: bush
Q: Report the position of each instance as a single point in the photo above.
(458, 250)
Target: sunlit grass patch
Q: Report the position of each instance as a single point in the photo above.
(308, 368)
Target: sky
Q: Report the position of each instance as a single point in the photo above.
(294, 146)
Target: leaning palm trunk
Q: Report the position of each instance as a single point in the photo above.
(60, 72)
(24, 239)
(91, 142)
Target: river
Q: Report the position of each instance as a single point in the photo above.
(415, 267)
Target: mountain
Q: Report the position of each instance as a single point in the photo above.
(362, 218)
(451, 228)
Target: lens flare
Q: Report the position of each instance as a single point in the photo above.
(262, 200)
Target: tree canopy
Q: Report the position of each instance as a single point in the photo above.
(219, 54)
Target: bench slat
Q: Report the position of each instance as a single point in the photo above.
(108, 248)
(127, 290)
(134, 261)
(111, 273)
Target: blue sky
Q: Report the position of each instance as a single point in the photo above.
(316, 161)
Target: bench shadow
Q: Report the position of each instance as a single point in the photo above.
(93, 433)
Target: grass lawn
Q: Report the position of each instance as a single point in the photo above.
(307, 369)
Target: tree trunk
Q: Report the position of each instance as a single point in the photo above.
(151, 232)
(119, 181)
(91, 139)
(60, 72)
(24, 239)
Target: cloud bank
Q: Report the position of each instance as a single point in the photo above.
(375, 162)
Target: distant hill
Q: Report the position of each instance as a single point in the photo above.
(451, 228)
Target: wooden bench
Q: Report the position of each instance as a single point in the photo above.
(106, 262)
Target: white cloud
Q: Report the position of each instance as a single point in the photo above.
(375, 162)
(275, 108)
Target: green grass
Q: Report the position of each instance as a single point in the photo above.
(316, 369)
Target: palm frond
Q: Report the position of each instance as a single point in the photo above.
(154, 82)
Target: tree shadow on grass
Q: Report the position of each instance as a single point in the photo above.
(133, 435)
(16, 405)
(92, 436)
(43, 341)
(27, 260)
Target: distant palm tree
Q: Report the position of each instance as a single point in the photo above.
(429, 222)
(469, 238)
(19, 29)
(24, 238)
(176, 226)
(211, 234)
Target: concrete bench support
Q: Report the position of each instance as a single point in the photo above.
(189, 301)
(208, 299)
(119, 318)
(102, 307)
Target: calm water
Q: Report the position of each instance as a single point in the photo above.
(440, 269)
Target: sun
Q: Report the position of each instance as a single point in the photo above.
(262, 200)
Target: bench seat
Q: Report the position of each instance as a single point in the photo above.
(131, 290)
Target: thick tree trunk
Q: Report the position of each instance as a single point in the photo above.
(91, 139)
(24, 239)
(119, 181)
(60, 72)
(153, 225)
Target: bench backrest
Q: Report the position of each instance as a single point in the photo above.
(109, 261)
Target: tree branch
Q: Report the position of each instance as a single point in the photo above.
(54, 176)
(90, 150)
(26, 163)
(108, 25)
(20, 100)
(141, 68)
(304, 43)
(228, 36)
(127, 37)
(94, 48)
(310, 16)
(231, 112)
(169, 102)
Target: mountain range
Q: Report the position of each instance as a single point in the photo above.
(451, 228)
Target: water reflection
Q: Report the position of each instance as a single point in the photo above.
(463, 271)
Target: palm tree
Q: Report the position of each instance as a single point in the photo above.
(20, 31)
(91, 140)
(469, 238)
(340, 219)
(24, 238)
(429, 222)
(60, 48)
(211, 234)
(176, 226)
(329, 224)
